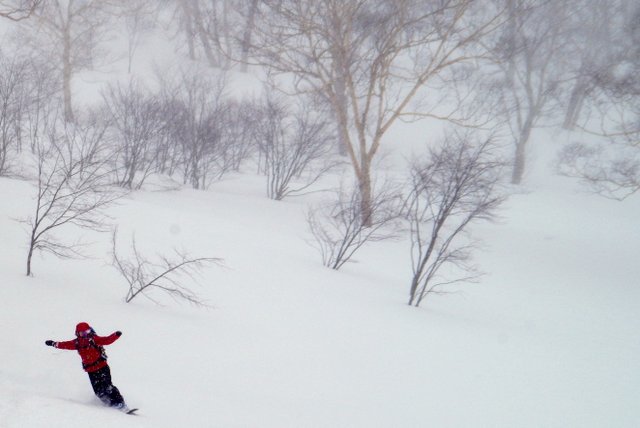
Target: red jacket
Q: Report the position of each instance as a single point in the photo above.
(92, 359)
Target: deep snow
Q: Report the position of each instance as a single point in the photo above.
(549, 338)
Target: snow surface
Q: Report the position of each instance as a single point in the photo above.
(549, 338)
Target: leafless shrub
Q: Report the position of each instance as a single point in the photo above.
(614, 175)
(455, 185)
(40, 103)
(339, 229)
(295, 148)
(167, 149)
(85, 143)
(73, 188)
(198, 111)
(241, 122)
(138, 121)
(607, 161)
(13, 73)
(167, 274)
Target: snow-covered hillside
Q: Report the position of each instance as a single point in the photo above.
(549, 338)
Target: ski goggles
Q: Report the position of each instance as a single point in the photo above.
(85, 333)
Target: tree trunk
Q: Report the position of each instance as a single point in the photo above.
(66, 75)
(576, 100)
(246, 39)
(204, 36)
(188, 24)
(511, 38)
(342, 102)
(413, 290)
(520, 156)
(364, 186)
(29, 262)
(30, 255)
(519, 161)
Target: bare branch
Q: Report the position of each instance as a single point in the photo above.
(340, 230)
(167, 274)
(18, 10)
(455, 185)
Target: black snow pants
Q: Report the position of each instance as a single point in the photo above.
(104, 389)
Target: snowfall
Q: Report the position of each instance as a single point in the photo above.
(550, 337)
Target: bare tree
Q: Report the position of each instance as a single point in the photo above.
(139, 17)
(607, 157)
(339, 229)
(614, 174)
(72, 29)
(200, 110)
(168, 145)
(528, 77)
(596, 43)
(455, 185)
(371, 60)
(192, 22)
(218, 28)
(13, 99)
(72, 189)
(608, 161)
(167, 274)
(248, 32)
(17, 10)
(295, 148)
(139, 121)
(40, 104)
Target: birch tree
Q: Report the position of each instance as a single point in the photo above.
(71, 29)
(370, 60)
(527, 81)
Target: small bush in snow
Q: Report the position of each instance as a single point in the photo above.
(295, 148)
(339, 228)
(455, 185)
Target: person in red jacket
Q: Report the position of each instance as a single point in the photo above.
(94, 361)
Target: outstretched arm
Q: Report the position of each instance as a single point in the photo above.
(69, 344)
(107, 340)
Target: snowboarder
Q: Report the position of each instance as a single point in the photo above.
(94, 361)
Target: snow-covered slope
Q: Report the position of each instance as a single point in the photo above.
(549, 338)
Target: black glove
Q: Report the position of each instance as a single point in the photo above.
(50, 343)
(118, 333)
